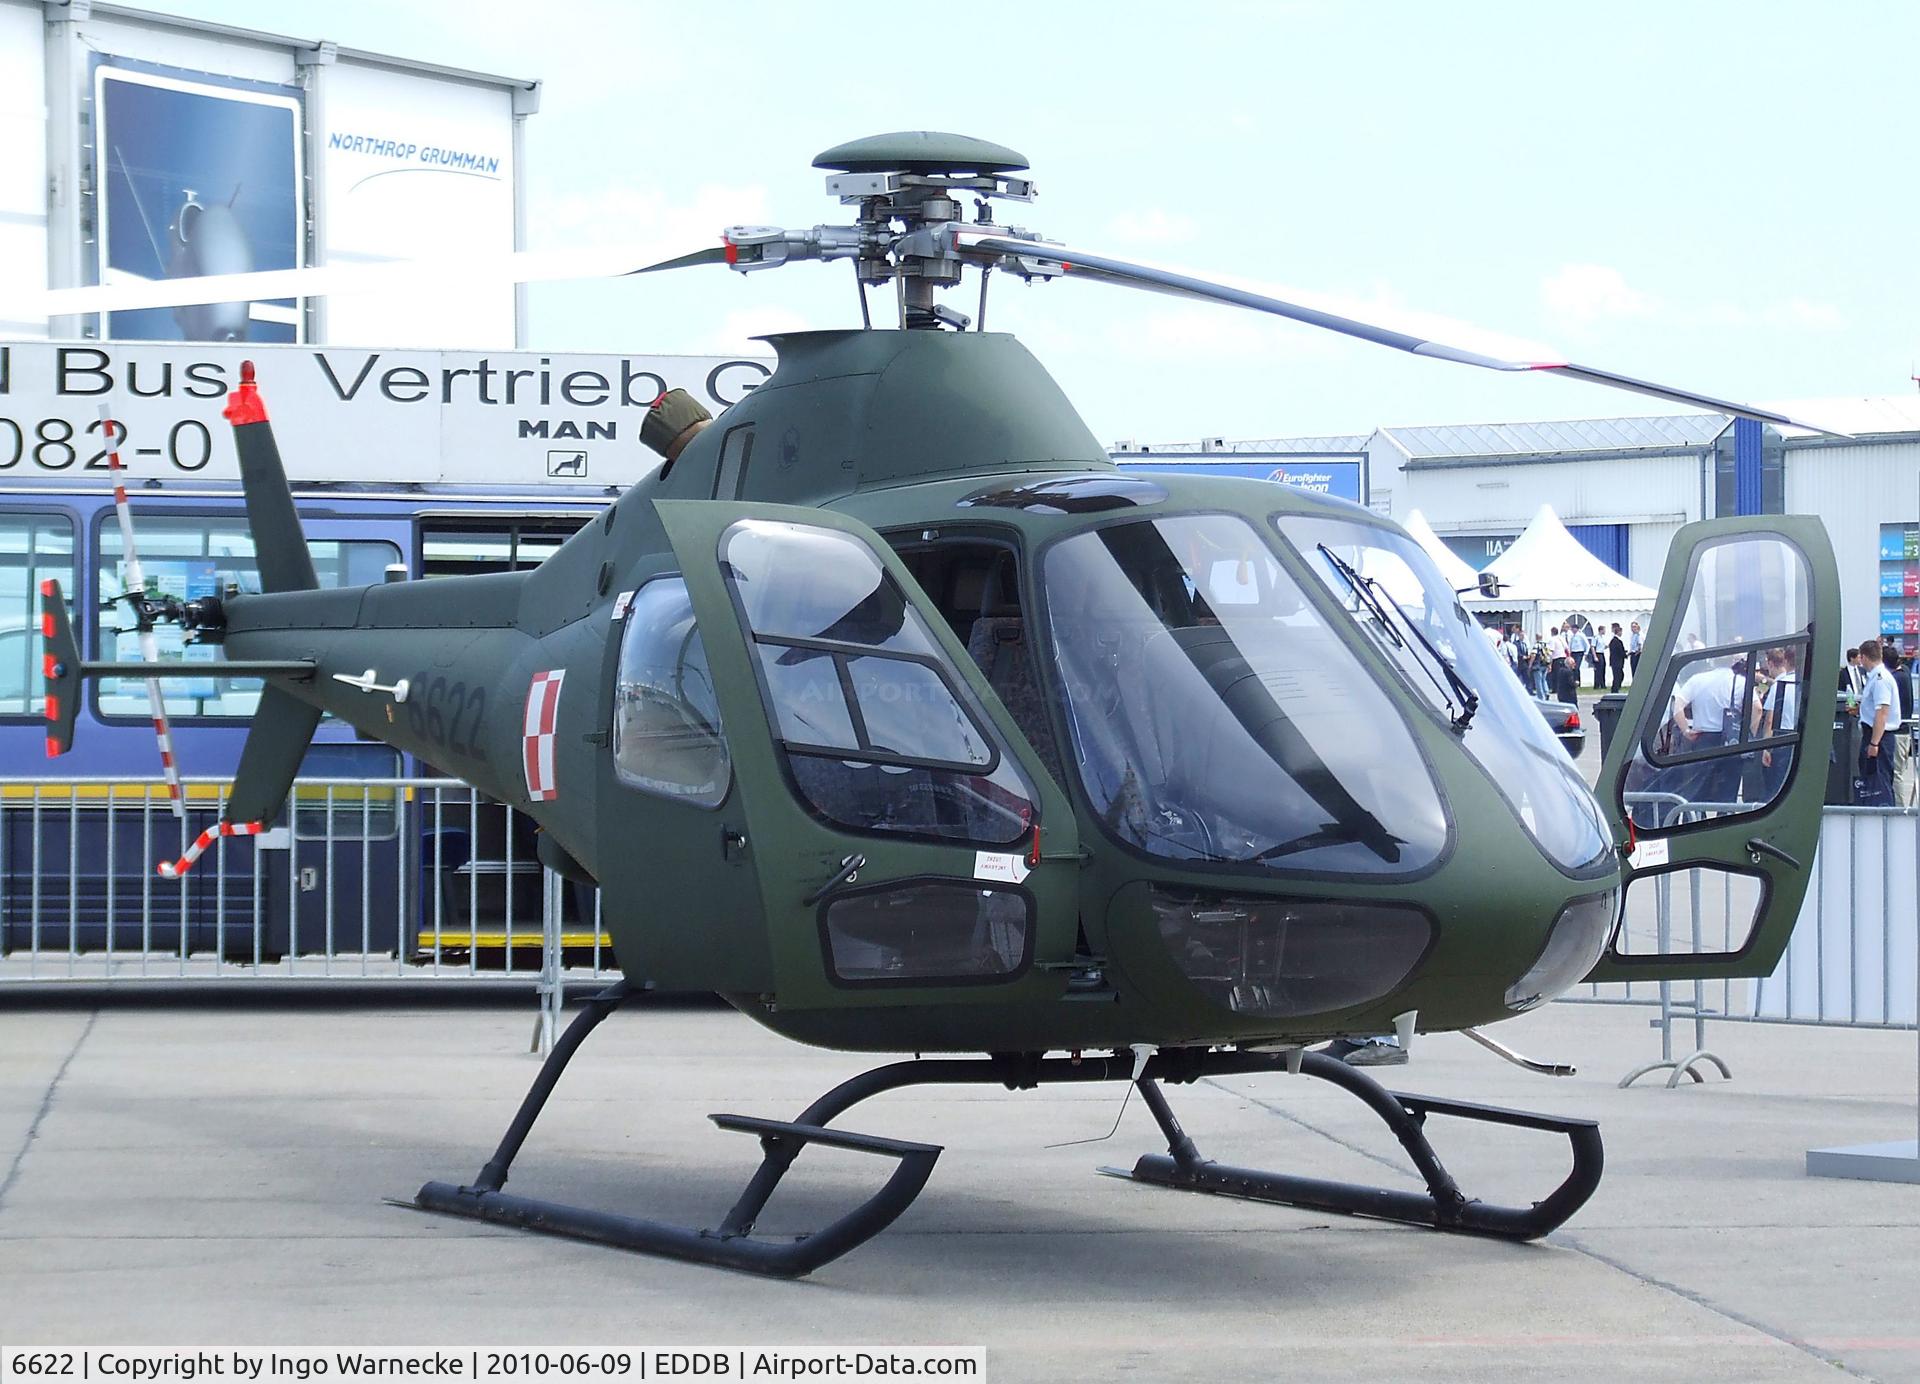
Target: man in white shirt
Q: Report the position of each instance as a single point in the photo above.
(1879, 718)
(1556, 644)
(1577, 646)
(1704, 713)
(1701, 706)
(1780, 715)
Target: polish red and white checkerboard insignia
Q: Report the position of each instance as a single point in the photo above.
(543, 713)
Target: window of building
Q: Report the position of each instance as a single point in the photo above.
(33, 547)
(189, 557)
(667, 737)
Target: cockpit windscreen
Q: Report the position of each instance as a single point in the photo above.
(1215, 717)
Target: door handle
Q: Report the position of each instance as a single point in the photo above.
(1757, 848)
(849, 871)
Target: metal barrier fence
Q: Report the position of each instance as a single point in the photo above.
(1852, 957)
(408, 878)
(360, 879)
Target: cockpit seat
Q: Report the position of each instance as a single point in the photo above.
(998, 644)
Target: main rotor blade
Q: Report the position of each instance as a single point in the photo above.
(1494, 353)
(525, 266)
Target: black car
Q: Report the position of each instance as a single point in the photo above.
(1564, 718)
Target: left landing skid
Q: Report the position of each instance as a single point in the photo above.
(732, 1245)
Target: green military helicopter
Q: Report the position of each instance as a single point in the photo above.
(892, 712)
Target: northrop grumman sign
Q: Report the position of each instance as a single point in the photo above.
(360, 416)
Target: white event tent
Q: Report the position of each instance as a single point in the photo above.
(1547, 574)
(1457, 570)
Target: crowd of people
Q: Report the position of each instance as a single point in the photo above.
(1551, 666)
(1878, 685)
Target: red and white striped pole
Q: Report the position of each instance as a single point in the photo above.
(149, 646)
(173, 869)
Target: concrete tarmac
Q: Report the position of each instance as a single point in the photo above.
(192, 1176)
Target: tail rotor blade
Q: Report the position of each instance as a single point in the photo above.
(137, 581)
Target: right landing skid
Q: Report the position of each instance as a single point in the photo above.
(1443, 1206)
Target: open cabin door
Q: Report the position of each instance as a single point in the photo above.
(908, 844)
(1719, 770)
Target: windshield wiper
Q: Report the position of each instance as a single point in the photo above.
(1381, 603)
(1380, 841)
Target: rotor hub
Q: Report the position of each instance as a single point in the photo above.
(910, 191)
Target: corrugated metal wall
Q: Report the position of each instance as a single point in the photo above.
(1852, 489)
(1601, 491)
(1608, 542)
(1855, 490)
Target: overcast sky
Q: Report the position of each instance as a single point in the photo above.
(1718, 195)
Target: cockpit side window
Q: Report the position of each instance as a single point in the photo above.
(877, 731)
(667, 738)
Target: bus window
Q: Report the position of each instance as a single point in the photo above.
(33, 547)
(190, 557)
(366, 810)
(465, 547)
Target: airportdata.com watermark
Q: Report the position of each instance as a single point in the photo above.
(600, 1366)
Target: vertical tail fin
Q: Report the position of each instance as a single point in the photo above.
(278, 541)
(283, 726)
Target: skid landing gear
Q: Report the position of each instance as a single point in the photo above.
(1443, 1206)
(733, 1245)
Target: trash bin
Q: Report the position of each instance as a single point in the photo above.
(1607, 711)
(1845, 755)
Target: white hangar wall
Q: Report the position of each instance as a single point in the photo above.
(1855, 489)
(1653, 475)
(1653, 497)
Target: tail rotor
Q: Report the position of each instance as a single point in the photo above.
(143, 621)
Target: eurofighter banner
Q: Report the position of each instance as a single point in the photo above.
(365, 417)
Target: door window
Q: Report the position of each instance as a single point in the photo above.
(1721, 731)
(877, 733)
(1701, 910)
(666, 719)
(927, 930)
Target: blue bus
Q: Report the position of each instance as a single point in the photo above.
(443, 872)
(411, 463)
